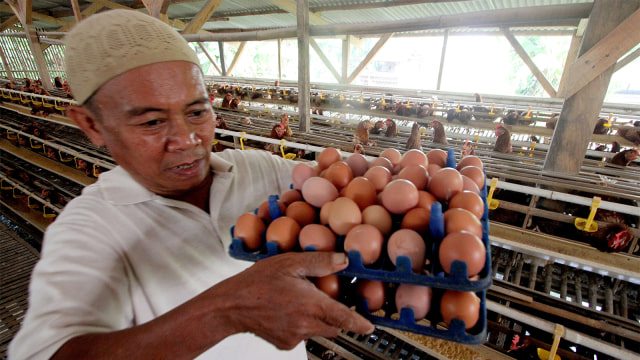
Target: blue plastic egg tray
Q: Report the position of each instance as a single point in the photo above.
(401, 273)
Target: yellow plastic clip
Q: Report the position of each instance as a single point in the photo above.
(476, 138)
(242, 134)
(533, 146)
(37, 146)
(492, 203)
(458, 108)
(214, 142)
(528, 116)
(588, 224)
(282, 147)
(409, 106)
(608, 124)
(492, 107)
(284, 91)
(383, 100)
(423, 131)
(49, 215)
(19, 196)
(341, 96)
(95, 170)
(551, 355)
(4, 187)
(433, 104)
(269, 90)
(29, 204)
(322, 95)
(361, 98)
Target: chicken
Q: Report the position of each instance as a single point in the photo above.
(615, 146)
(503, 142)
(465, 116)
(392, 129)
(512, 117)
(278, 133)
(624, 158)
(612, 237)
(439, 136)
(234, 104)
(467, 149)
(553, 120)
(226, 101)
(631, 133)
(414, 139)
(478, 97)
(362, 133)
(284, 122)
(424, 110)
(600, 129)
(377, 128)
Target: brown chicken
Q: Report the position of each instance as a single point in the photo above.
(362, 133)
(478, 97)
(284, 122)
(414, 139)
(631, 133)
(439, 136)
(226, 101)
(624, 158)
(503, 142)
(392, 129)
(600, 129)
(377, 128)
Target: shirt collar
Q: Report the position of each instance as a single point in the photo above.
(120, 188)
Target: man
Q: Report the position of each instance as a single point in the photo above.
(137, 266)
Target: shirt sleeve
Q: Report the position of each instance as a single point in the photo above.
(78, 287)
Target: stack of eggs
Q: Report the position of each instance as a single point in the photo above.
(386, 213)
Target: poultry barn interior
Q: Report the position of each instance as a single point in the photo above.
(562, 171)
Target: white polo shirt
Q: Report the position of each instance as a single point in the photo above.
(119, 256)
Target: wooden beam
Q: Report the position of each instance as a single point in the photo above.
(304, 82)
(35, 15)
(367, 59)
(279, 59)
(442, 55)
(221, 52)
(156, 8)
(324, 59)
(5, 63)
(546, 85)
(346, 58)
(290, 6)
(627, 59)
(580, 111)
(202, 16)
(234, 62)
(76, 10)
(605, 53)
(572, 55)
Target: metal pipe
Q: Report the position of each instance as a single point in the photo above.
(569, 334)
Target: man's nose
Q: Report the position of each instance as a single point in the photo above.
(182, 136)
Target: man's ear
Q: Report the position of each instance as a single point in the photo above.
(88, 123)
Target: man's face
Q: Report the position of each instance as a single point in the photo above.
(158, 124)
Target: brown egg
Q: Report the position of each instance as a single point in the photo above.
(344, 215)
(248, 229)
(379, 217)
(362, 191)
(445, 183)
(406, 242)
(469, 185)
(417, 174)
(324, 212)
(327, 157)
(392, 154)
(415, 297)
(367, 240)
(433, 168)
(300, 173)
(373, 291)
(461, 305)
(425, 200)
(474, 173)
(380, 176)
(290, 196)
(329, 285)
(399, 196)
(437, 157)
(468, 200)
(470, 160)
(339, 173)
(358, 164)
(380, 161)
(284, 232)
(317, 191)
(414, 157)
(417, 219)
(302, 213)
(318, 236)
(462, 246)
(462, 220)
(263, 210)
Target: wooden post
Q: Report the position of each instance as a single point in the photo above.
(346, 58)
(580, 112)
(156, 8)
(76, 10)
(5, 63)
(279, 59)
(442, 55)
(304, 103)
(572, 55)
(223, 68)
(202, 16)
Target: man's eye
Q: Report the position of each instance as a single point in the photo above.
(155, 122)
